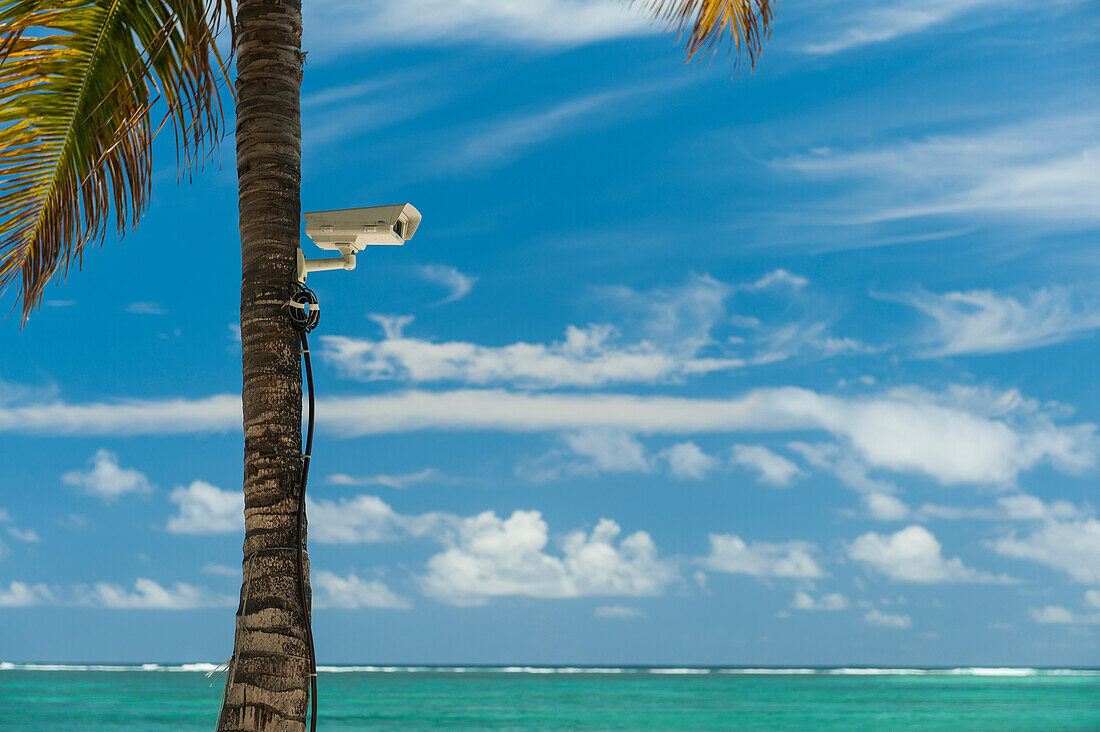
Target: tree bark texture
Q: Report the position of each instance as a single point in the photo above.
(268, 678)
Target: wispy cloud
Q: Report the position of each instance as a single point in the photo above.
(145, 308)
(662, 335)
(496, 22)
(458, 284)
(669, 340)
(985, 322)
(506, 139)
(403, 480)
(860, 25)
(338, 113)
(617, 612)
(1044, 169)
(591, 356)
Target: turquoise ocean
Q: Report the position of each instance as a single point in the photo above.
(186, 697)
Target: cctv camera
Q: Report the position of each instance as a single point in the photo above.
(358, 228)
(350, 230)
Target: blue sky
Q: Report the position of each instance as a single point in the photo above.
(683, 366)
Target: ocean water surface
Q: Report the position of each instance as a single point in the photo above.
(186, 697)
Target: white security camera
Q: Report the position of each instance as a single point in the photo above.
(350, 230)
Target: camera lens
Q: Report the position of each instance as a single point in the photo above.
(399, 228)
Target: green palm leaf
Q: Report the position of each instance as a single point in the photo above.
(78, 83)
(703, 25)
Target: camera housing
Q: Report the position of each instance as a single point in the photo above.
(350, 230)
(358, 228)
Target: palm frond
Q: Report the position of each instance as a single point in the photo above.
(703, 25)
(79, 80)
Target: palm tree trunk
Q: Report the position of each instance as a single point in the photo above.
(268, 679)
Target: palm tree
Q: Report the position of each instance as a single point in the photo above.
(79, 81)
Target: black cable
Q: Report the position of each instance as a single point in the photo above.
(306, 318)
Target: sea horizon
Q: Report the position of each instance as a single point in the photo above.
(580, 668)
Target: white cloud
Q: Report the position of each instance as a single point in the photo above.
(914, 555)
(885, 620)
(145, 308)
(1059, 615)
(487, 557)
(457, 284)
(130, 417)
(962, 435)
(105, 479)
(830, 601)
(1072, 547)
(330, 590)
(588, 453)
(1013, 507)
(591, 452)
(1045, 169)
(531, 22)
(884, 21)
(12, 393)
(687, 461)
(680, 318)
(594, 355)
(361, 519)
(206, 509)
(877, 495)
(617, 612)
(774, 469)
(221, 570)
(983, 322)
(149, 595)
(403, 480)
(590, 356)
(800, 339)
(885, 507)
(777, 278)
(1052, 614)
(609, 451)
(29, 536)
(664, 335)
(20, 594)
(793, 559)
